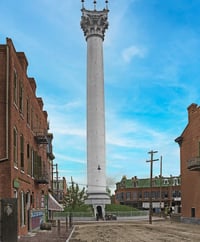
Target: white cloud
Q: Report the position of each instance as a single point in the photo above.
(65, 158)
(133, 51)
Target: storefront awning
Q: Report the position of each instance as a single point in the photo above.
(53, 204)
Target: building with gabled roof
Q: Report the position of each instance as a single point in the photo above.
(189, 143)
(135, 192)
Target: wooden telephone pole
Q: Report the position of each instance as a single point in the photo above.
(151, 174)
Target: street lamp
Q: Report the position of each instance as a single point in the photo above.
(151, 174)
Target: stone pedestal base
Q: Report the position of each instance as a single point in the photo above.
(98, 201)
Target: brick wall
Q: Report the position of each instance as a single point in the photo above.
(27, 116)
(189, 150)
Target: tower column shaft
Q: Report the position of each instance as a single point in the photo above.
(95, 116)
(94, 23)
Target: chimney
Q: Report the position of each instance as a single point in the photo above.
(191, 110)
(33, 84)
(22, 59)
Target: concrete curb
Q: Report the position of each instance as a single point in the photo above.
(71, 234)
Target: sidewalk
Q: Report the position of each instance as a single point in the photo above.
(48, 235)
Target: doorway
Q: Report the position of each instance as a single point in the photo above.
(193, 212)
(99, 212)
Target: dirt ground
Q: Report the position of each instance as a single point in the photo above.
(135, 231)
(53, 235)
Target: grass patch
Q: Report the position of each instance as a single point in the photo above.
(117, 207)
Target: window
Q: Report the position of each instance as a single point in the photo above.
(22, 152)
(21, 98)
(28, 159)
(117, 197)
(166, 181)
(153, 194)
(59, 184)
(37, 201)
(22, 209)
(157, 194)
(15, 89)
(32, 200)
(146, 195)
(15, 194)
(139, 195)
(128, 196)
(36, 122)
(134, 195)
(175, 182)
(37, 166)
(42, 199)
(135, 183)
(176, 194)
(28, 111)
(32, 114)
(122, 196)
(15, 147)
(28, 200)
(165, 194)
(32, 162)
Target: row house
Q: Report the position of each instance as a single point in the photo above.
(26, 154)
(59, 189)
(135, 192)
(189, 143)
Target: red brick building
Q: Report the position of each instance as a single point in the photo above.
(59, 189)
(25, 145)
(135, 192)
(189, 142)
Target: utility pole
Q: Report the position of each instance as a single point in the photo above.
(56, 183)
(160, 186)
(151, 174)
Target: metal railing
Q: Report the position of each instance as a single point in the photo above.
(62, 215)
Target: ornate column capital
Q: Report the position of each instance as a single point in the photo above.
(94, 22)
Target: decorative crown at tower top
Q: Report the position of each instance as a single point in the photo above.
(95, 4)
(94, 22)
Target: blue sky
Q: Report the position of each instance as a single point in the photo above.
(152, 73)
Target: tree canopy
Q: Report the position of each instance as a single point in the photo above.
(75, 196)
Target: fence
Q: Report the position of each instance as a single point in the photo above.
(87, 215)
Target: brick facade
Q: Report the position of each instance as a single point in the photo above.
(189, 143)
(25, 145)
(136, 192)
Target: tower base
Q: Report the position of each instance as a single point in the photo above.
(98, 202)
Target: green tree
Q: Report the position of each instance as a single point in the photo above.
(75, 197)
(108, 191)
